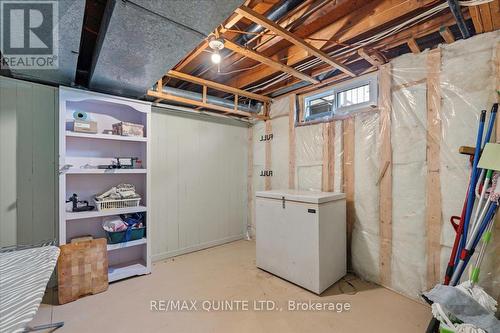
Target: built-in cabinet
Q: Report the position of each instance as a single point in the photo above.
(80, 154)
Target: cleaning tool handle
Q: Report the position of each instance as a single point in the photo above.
(491, 124)
(472, 185)
(474, 277)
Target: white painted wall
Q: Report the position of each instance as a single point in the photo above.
(199, 182)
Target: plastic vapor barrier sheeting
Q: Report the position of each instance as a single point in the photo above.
(467, 82)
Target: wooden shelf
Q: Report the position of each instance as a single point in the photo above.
(137, 242)
(126, 270)
(108, 212)
(76, 171)
(105, 137)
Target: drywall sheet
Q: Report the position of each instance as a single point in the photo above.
(198, 182)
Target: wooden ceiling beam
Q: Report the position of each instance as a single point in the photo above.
(285, 34)
(417, 31)
(215, 85)
(196, 52)
(413, 45)
(447, 35)
(267, 61)
(178, 99)
(374, 57)
(367, 17)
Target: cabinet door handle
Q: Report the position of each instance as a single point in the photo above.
(283, 202)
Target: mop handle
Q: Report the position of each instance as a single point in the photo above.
(474, 277)
(466, 254)
(472, 185)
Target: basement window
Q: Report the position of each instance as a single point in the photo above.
(342, 99)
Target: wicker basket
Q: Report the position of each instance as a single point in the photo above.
(114, 204)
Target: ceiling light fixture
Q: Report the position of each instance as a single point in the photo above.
(216, 44)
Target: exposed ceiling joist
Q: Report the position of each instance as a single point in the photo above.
(374, 57)
(447, 35)
(196, 52)
(269, 62)
(368, 15)
(270, 25)
(172, 98)
(218, 86)
(413, 45)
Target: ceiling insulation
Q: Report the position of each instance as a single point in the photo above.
(144, 38)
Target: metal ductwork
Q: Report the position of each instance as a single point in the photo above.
(140, 40)
(70, 21)
(253, 108)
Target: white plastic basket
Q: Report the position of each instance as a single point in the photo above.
(114, 204)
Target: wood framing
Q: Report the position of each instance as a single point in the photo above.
(269, 62)
(361, 18)
(170, 97)
(268, 162)
(413, 45)
(385, 178)
(285, 34)
(375, 58)
(348, 182)
(447, 35)
(328, 166)
(196, 52)
(433, 214)
(218, 86)
(291, 143)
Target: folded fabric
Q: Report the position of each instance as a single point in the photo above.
(121, 191)
(113, 224)
(464, 307)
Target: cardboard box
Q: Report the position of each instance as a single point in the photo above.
(128, 129)
(85, 126)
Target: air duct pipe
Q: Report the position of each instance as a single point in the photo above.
(252, 108)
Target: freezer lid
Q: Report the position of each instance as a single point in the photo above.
(301, 196)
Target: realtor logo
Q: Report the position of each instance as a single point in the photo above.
(29, 34)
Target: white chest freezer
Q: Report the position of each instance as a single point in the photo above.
(301, 236)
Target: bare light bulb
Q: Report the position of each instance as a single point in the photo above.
(216, 58)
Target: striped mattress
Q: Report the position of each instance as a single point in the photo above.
(24, 275)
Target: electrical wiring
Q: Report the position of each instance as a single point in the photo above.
(377, 37)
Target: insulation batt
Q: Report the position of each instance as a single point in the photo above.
(467, 84)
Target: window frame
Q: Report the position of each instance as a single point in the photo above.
(342, 112)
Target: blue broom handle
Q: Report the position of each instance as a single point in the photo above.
(472, 185)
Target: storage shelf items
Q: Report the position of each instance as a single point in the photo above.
(80, 150)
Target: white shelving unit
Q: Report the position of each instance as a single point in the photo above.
(79, 150)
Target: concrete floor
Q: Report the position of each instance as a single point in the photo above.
(228, 272)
